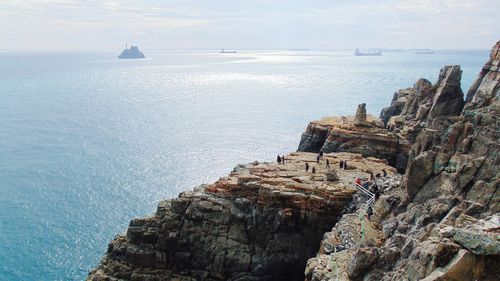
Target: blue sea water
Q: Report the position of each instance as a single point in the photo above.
(88, 142)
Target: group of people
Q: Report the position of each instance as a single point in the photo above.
(280, 159)
(368, 185)
(343, 163)
(371, 185)
(318, 158)
(378, 175)
(313, 170)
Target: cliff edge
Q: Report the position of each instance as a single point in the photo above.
(442, 222)
(262, 222)
(439, 220)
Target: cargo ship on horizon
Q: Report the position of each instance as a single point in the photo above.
(359, 52)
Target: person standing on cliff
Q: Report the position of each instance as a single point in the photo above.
(314, 170)
(278, 159)
(307, 167)
(345, 164)
(327, 163)
(283, 159)
(369, 212)
(358, 181)
(341, 164)
(317, 158)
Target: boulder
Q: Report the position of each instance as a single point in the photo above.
(362, 260)
(360, 117)
(476, 242)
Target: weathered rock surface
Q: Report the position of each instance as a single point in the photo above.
(443, 222)
(360, 117)
(361, 134)
(262, 222)
(416, 108)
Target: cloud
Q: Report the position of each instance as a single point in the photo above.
(249, 24)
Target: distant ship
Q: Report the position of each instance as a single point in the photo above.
(429, 52)
(131, 53)
(359, 52)
(228, 52)
(423, 51)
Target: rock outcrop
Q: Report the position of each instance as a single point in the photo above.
(262, 222)
(416, 108)
(360, 117)
(442, 222)
(363, 134)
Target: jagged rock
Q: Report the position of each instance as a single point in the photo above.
(466, 266)
(389, 227)
(449, 97)
(447, 222)
(421, 169)
(360, 117)
(478, 243)
(341, 134)
(407, 102)
(362, 260)
(398, 102)
(313, 138)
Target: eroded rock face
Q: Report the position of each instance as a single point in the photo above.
(424, 106)
(465, 148)
(360, 117)
(443, 222)
(363, 134)
(448, 99)
(262, 222)
(406, 102)
(313, 138)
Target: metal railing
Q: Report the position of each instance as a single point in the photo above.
(366, 192)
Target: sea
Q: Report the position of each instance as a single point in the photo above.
(88, 141)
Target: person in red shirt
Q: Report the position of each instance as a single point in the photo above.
(358, 181)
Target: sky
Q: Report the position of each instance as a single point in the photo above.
(248, 24)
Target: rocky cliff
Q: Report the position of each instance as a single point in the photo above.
(442, 221)
(391, 136)
(262, 222)
(269, 221)
(362, 133)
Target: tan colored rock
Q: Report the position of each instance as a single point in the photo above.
(345, 134)
(360, 117)
(261, 222)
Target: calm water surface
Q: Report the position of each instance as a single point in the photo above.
(88, 142)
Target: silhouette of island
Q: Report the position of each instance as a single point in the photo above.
(131, 53)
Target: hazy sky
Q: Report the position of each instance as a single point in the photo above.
(248, 24)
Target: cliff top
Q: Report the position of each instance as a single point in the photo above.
(259, 216)
(343, 121)
(292, 176)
